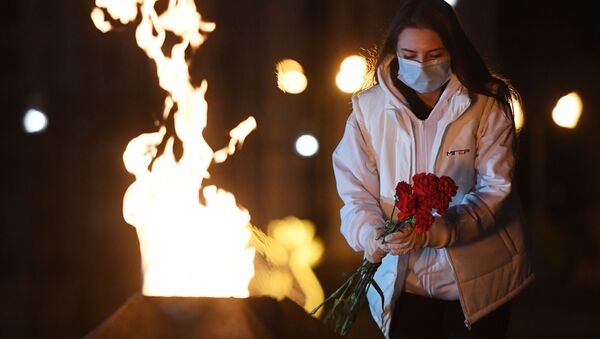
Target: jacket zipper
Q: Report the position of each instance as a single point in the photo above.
(460, 296)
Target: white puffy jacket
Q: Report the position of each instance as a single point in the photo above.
(474, 145)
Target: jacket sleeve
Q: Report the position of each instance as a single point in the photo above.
(477, 213)
(357, 181)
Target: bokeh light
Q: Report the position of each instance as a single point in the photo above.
(567, 111)
(290, 76)
(307, 145)
(305, 250)
(352, 73)
(35, 121)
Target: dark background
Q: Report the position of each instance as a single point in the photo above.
(67, 258)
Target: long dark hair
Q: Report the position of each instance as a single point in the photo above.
(467, 63)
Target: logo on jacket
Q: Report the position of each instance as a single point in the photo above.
(458, 152)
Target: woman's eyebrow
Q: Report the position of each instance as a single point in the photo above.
(436, 50)
(407, 50)
(411, 51)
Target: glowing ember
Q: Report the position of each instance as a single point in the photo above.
(188, 248)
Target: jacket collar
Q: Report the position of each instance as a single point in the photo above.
(455, 97)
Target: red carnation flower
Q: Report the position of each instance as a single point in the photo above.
(423, 220)
(418, 200)
(440, 201)
(447, 185)
(407, 206)
(425, 183)
(403, 189)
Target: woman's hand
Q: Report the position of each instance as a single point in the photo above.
(404, 241)
(375, 250)
(439, 235)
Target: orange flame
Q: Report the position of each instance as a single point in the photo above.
(188, 248)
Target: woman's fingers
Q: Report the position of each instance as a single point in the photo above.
(397, 237)
(399, 252)
(400, 242)
(399, 246)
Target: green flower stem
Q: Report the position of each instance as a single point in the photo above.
(388, 223)
(393, 210)
(349, 297)
(342, 289)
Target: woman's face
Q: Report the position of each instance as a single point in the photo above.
(420, 44)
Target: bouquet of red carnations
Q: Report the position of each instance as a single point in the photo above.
(416, 204)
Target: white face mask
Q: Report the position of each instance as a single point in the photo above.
(424, 77)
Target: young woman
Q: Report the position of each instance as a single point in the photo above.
(436, 108)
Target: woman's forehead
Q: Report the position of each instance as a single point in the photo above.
(419, 40)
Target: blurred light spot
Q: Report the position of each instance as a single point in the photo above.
(452, 2)
(519, 115)
(305, 250)
(279, 284)
(307, 145)
(351, 76)
(567, 111)
(34, 121)
(290, 76)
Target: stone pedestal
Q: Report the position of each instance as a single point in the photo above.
(231, 318)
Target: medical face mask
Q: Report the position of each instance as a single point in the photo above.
(424, 77)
